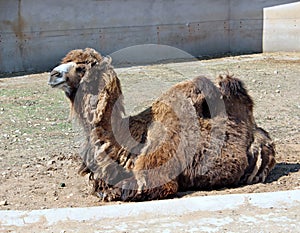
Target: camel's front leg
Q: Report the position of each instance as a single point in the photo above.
(130, 190)
(123, 191)
(106, 192)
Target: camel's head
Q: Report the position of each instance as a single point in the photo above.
(68, 75)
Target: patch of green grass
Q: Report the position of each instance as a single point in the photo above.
(33, 109)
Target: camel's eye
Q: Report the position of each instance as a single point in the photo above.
(93, 63)
(80, 69)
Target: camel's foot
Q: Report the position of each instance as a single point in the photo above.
(129, 190)
(125, 190)
(112, 194)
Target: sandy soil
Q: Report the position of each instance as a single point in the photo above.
(38, 146)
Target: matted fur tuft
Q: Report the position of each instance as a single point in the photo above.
(87, 56)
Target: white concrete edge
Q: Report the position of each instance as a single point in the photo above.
(171, 207)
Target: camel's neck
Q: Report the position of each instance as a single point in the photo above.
(110, 109)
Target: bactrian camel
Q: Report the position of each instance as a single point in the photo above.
(198, 135)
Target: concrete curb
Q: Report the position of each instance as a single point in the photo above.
(153, 210)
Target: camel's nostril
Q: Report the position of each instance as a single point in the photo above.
(55, 73)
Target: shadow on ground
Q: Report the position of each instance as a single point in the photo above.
(282, 169)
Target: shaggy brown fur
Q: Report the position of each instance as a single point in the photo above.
(198, 135)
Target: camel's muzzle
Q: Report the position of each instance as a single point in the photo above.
(57, 75)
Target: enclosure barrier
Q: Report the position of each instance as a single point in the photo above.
(34, 35)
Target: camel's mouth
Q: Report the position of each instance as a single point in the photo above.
(55, 85)
(59, 82)
(55, 80)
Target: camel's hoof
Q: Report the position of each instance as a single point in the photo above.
(101, 195)
(113, 194)
(129, 190)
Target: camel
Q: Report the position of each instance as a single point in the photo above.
(198, 135)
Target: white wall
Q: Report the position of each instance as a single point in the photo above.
(282, 28)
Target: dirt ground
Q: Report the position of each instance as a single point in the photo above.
(38, 145)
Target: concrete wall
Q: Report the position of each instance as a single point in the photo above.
(282, 28)
(34, 35)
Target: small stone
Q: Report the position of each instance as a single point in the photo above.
(51, 162)
(276, 72)
(3, 203)
(17, 131)
(24, 166)
(277, 91)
